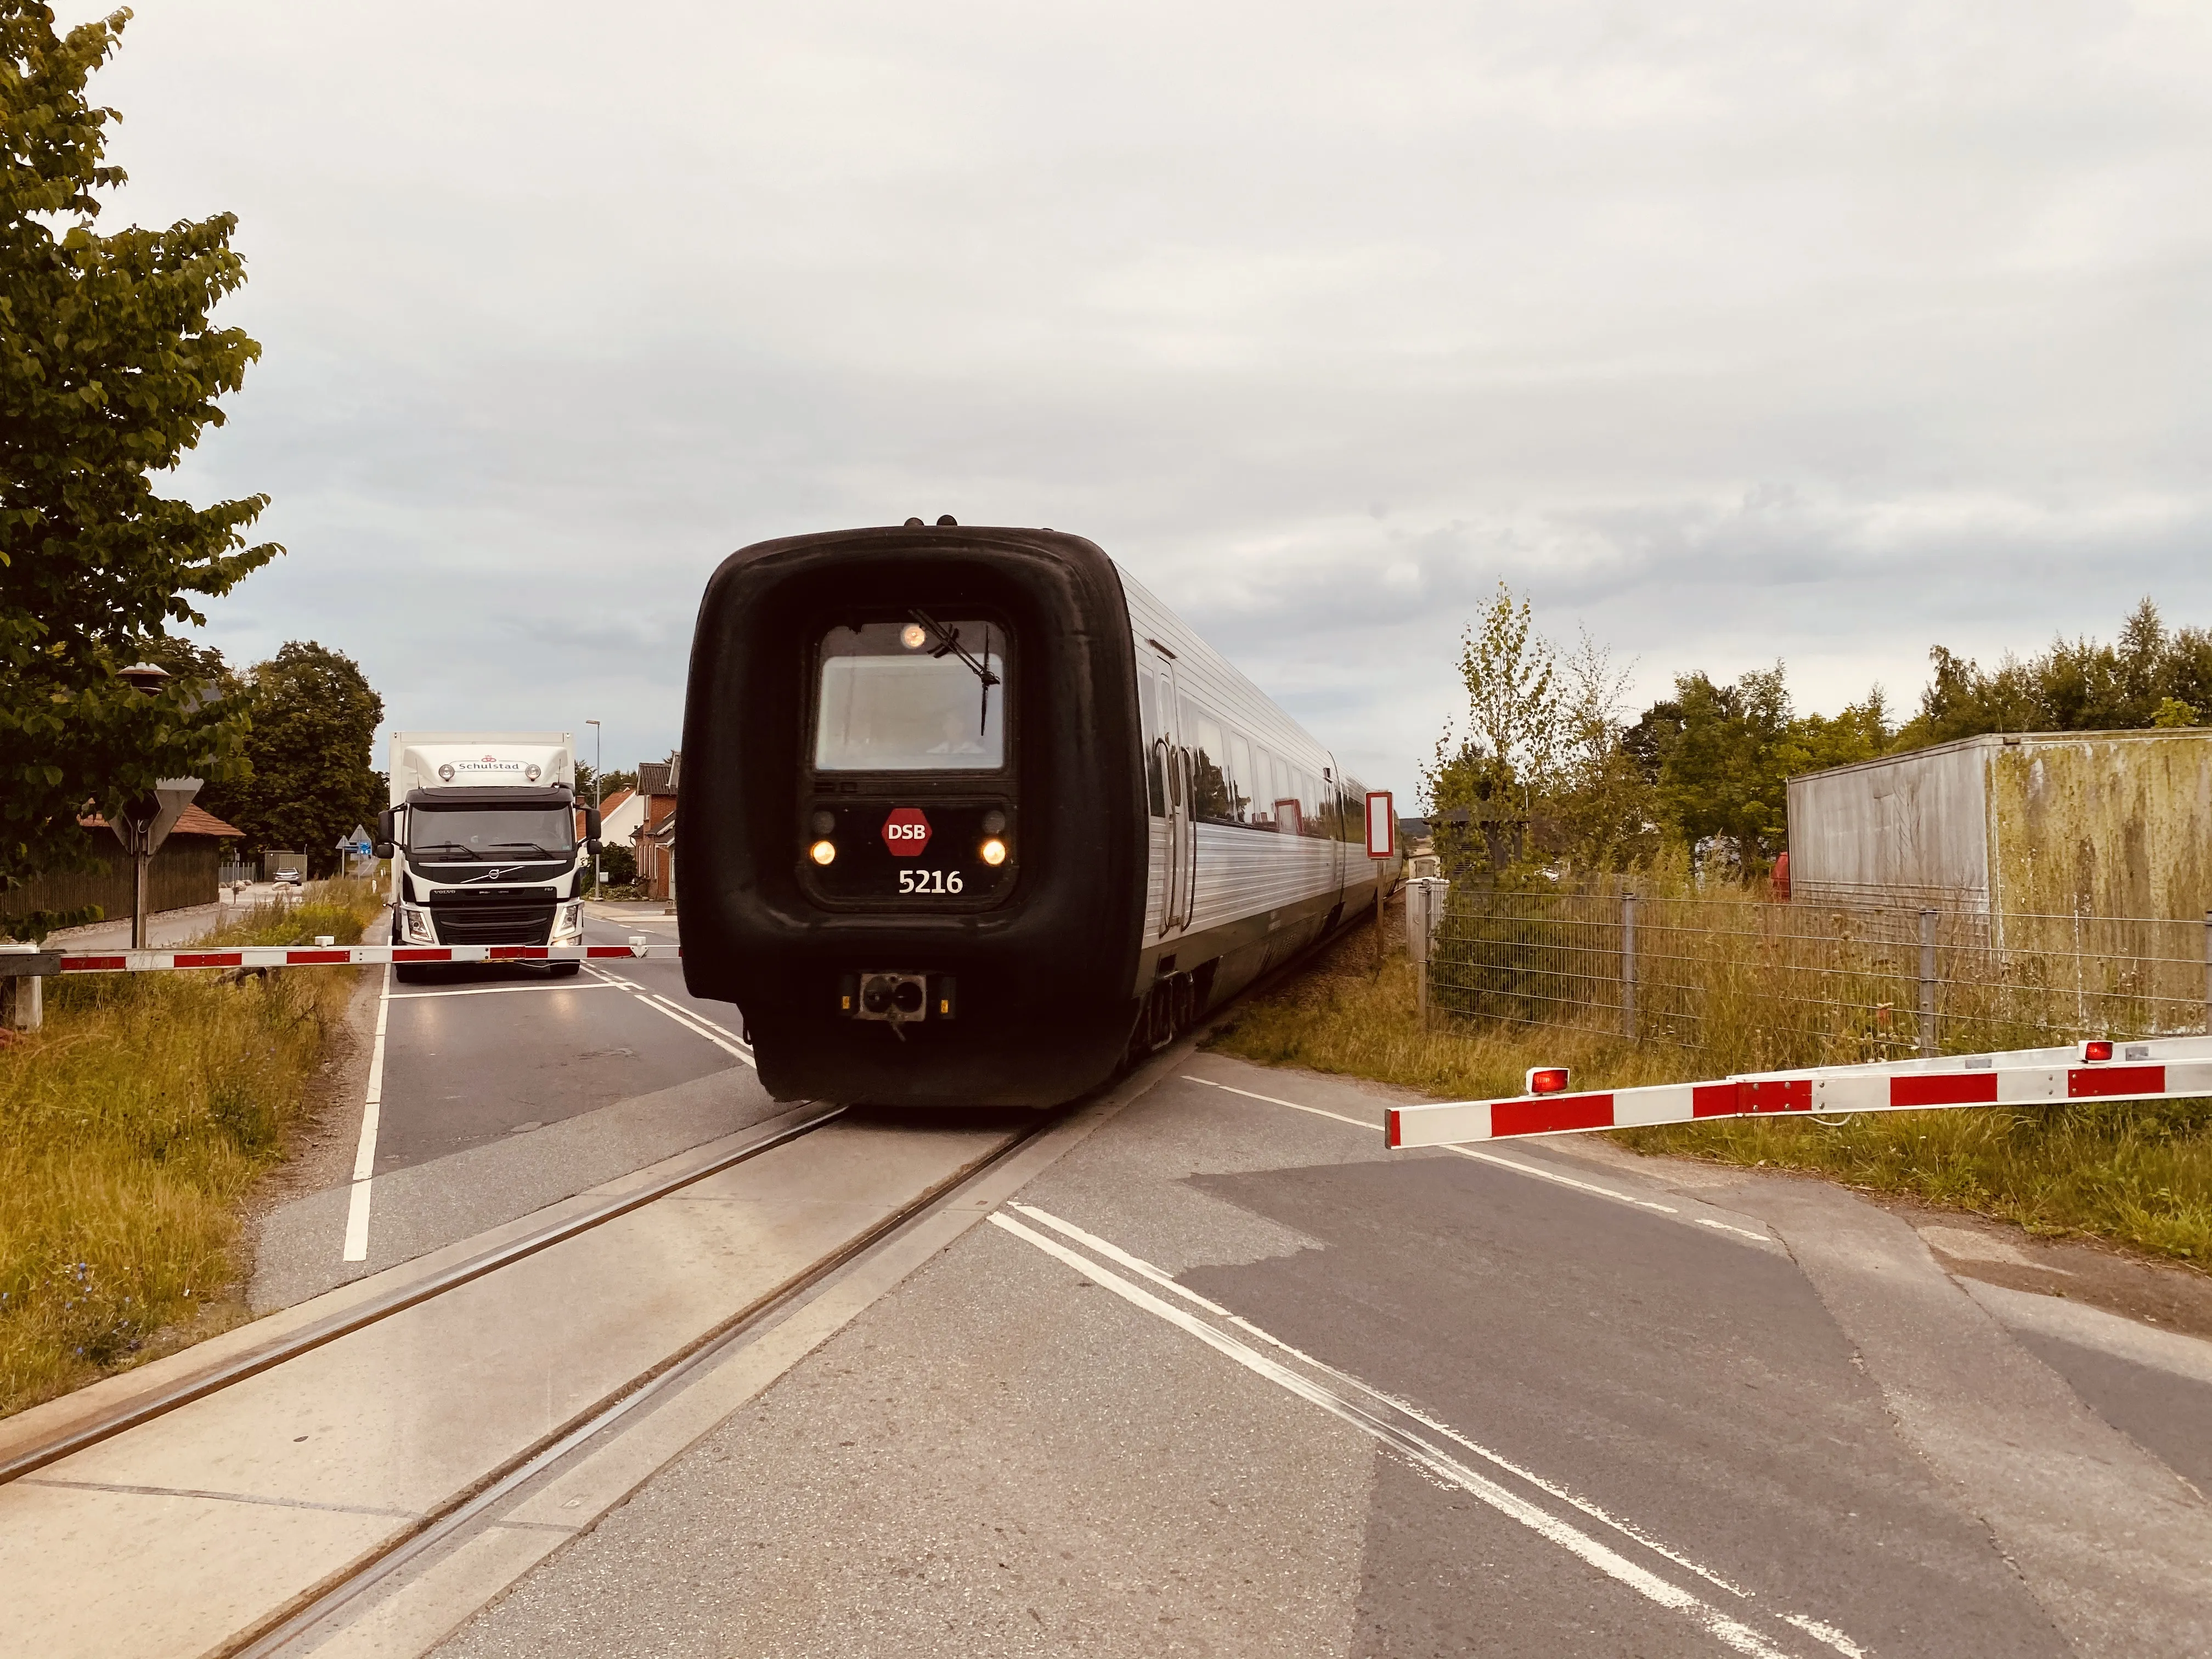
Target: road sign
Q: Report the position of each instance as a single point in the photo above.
(905, 832)
(356, 842)
(1382, 825)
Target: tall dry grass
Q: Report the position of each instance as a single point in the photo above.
(2138, 1175)
(131, 1126)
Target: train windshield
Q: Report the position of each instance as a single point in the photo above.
(926, 695)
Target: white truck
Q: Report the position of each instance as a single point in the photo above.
(482, 837)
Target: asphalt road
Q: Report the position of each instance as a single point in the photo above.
(502, 1089)
(1229, 1379)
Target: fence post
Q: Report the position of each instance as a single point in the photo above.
(1927, 982)
(1628, 966)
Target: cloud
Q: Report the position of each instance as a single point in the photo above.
(1730, 332)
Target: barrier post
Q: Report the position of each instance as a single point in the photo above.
(1928, 982)
(2208, 973)
(22, 986)
(1628, 966)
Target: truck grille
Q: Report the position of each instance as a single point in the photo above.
(493, 924)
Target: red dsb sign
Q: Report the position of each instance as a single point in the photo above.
(905, 832)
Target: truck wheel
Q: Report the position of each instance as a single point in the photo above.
(408, 974)
(565, 969)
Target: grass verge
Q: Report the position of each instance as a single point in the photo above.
(131, 1126)
(2137, 1174)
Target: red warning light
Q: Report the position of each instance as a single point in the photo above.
(1547, 1080)
(2098, 1049)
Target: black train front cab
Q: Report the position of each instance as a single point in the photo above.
(912, 841)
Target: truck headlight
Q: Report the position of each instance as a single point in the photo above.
(418, 926)
(569, 921)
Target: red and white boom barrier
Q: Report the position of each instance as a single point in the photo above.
(358, 956)
(2155, 1068)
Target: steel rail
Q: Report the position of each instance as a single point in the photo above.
(275, 1633)
(330, 1328)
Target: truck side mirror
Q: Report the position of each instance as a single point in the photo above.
(592, 825)
(387, 828)
(383, 849)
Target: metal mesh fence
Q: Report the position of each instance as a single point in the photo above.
(1761, 984)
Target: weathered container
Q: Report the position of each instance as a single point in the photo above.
(2104, 824)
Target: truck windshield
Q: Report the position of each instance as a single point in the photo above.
(924, 695)
(505, 832)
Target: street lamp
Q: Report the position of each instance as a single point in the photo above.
(143, 824)
(598, 758)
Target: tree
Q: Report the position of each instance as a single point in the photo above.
(2151, 672)
(1489, 774)
(109, 372)
(1713, 755)
(611, 785)
(313, 717)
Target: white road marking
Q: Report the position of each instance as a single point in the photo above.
(697, 1024)
(501, 990)
(1464, 1151)
(1707, 1221)
(1731, 1632)
(1137, 1264)
(364, 1157)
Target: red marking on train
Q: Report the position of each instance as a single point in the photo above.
(1974, 1089)
(1551, 1115)
(2115, 1080)
(905, 832)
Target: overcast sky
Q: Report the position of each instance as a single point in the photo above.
(1728, 331)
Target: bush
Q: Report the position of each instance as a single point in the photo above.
(131, 1127)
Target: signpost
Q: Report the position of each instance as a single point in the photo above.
(1382, 843)
(356, 845)
(142, 826)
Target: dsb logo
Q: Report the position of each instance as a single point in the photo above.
(905, 832)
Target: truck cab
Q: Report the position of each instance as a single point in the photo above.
(481, 833)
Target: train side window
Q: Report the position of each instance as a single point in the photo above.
(1209, 786)
(1264, 792)
(1243, 787)
(1148, 705)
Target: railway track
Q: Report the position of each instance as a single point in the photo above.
(174, 1443)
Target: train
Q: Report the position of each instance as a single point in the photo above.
(971, 818)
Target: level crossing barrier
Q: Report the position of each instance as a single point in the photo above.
(358, 956)
(2106, 1069)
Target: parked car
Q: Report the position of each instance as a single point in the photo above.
(290, 877)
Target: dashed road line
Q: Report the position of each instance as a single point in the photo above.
(723, 1038)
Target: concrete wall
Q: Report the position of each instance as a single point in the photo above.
(2105, 823)
(1907, 828)
(2109, 824)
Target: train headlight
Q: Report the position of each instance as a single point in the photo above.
(823, 852)
(995, 851)
(913, 636)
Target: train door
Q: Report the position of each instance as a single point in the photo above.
(1166, 760)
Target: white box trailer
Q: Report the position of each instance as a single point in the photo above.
(481, 833)
(2103, 824)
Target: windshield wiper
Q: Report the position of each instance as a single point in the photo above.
(530, 847)
(950, 645)
(442, 846)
